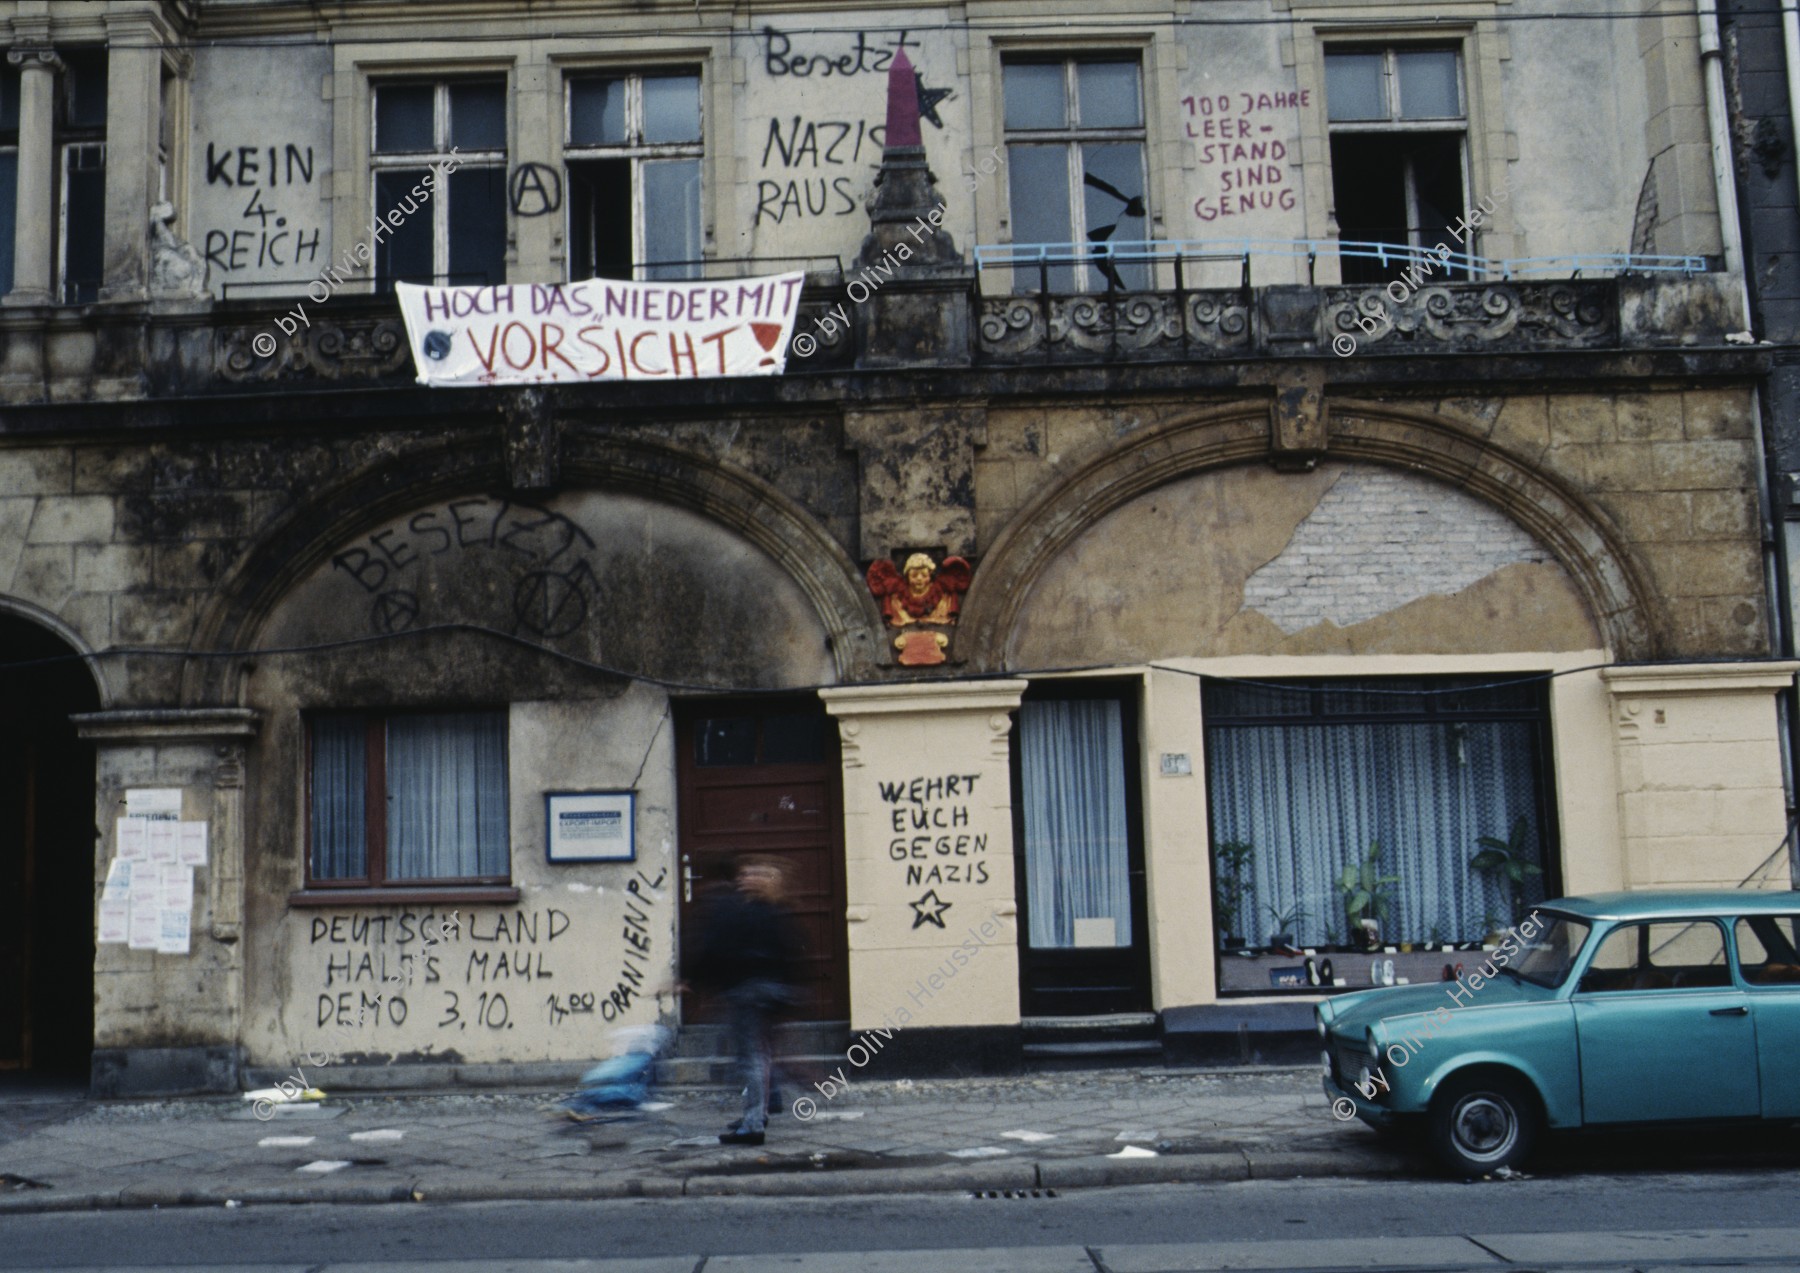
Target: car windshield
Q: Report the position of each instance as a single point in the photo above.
(1551, 952)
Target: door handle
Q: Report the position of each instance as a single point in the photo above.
(1739, 1011)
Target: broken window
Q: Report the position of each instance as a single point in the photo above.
(9, 170)
(456, 234)
(414, 797)
(1075, 165)
(1398, 126)
(81, 175)
(633, 150)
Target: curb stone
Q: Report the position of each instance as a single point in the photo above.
(1061, 1173)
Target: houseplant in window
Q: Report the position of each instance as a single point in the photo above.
(1287, 919)
(1506, 863)
(1366, 898)
(1230, 859)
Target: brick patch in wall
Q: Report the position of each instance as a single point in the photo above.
(1377, 540)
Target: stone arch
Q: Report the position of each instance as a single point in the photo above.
(740, 502)
(1580, 537)
(12, 607)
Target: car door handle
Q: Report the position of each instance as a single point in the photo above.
(1739, 1011)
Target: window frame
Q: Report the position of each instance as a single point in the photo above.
(374, 885)
(1394, 124)
(1072, 137)
(11, 80)
(633, 150)
(435, 159)
(72, 141)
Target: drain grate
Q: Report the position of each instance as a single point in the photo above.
(1013, 1193)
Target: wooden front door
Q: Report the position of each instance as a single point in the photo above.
(763, 776)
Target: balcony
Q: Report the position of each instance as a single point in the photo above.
(1259, 298)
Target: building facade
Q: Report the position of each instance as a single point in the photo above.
(1319, 421)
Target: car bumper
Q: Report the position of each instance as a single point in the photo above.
(1367, 1110)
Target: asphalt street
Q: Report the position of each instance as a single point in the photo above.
(1645, 1220)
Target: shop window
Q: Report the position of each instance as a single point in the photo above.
(457, 235)
(1415, 778)
(408, 798)
(81, 175)
(1398, 126)
(633, 146)
(1075, 166)
(9, 170)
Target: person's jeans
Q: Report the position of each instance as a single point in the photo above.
(753, 1005)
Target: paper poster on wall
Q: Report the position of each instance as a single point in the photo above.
(145, 923)
(172, 932)
(153, 802)
(600, 329)
(131, 839)
(176, 888)
(160, 841)
(115, 919)
(191, 846)
(118, 880)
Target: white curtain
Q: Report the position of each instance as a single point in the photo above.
(446, 786)
(1076, 855)
(339, 797)
(1312, 798)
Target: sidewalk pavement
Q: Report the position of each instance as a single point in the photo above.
(1045, 1131)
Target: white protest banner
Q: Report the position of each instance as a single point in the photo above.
(600, 329)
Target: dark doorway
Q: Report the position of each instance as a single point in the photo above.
(47, 840)
(764, 776)
(1084, 942)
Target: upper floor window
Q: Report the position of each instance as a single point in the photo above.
(456, 233)
(81, 174)
(1075, 164)
(9, 170)
(633, 146)
(408, 798)
(1398, 125)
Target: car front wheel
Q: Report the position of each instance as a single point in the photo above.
(1483, 1122)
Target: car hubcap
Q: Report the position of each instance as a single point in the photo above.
(1484, 1127)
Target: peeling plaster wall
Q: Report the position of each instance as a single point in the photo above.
(1178, 571)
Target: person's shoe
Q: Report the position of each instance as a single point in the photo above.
(740, 1138)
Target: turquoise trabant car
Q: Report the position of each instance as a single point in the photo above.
(1608, 1010)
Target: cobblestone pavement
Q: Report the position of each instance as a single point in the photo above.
(878, 1136)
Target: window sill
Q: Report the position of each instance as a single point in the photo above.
(403, 896)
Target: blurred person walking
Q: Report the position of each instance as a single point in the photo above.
(749, 958)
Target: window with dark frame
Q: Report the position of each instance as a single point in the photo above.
(1075, 165)
(9, 169)
(633, 146)
(81, 175)
(407, 799)
(1311, 774)
(457, 236)
(1399, 126)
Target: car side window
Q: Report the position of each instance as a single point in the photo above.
(1766, 949)
(1662, 956)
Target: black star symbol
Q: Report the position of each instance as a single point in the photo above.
(929, 99)
(929, 909)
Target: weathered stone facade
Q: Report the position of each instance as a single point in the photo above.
(1540, 479)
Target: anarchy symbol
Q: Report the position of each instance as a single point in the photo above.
(394, 612)
(549, 604)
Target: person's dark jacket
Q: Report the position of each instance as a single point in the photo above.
(746, 939)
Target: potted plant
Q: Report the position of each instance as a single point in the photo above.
(1505, 862)
(1365, 896)
(1230, 858)
(1287, 919)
